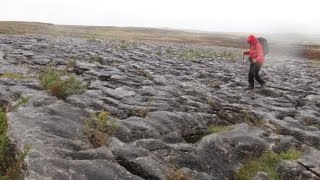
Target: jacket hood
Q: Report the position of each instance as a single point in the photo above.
(252, 39)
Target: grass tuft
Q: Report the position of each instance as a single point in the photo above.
(267, 162)
(10, 164)
(194, 54)
(124, 46)
(95, 58)
(144, 111)
(252, 120)
(214, 128)
(72, 63)
(225, 55)
(24, 99)
(12, 75)
(194, 138)
(59, 84)
(99, 128)
(170, 51)
(175, 174)
(290, 154)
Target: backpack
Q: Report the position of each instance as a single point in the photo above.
(265, 46)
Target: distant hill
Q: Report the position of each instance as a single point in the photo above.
(127, 33)
(151, 34)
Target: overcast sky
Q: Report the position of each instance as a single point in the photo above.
(210, 15)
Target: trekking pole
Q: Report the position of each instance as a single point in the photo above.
(243, 60)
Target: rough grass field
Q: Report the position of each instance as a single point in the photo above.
(153, 34)
(311, 52)
(127, 33)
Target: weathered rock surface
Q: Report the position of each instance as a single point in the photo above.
(159, 99)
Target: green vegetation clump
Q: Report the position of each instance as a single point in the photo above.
(214, 83)
(72, 63)
(316, 125)
(190, 55)
(144, 111)
(290, 154)
(174, 173)
(24, 99)
(226, 55)
(251, 119)
(210, 102)
(95, 58)
(4, 144)
(194, 54)
(214, 128)
(124, 46)
(59, 84)
(267, 162)
(142, 72)
(159, 53)
(99, 128)
(12, 75)
(170, 51)
(10, 165)
(194, 138)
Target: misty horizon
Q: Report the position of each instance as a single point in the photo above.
(244, 16)
(167, 28)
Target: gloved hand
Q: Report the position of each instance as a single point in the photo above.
(245, 52)
(252, 60)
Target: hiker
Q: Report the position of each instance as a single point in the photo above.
(256, 58)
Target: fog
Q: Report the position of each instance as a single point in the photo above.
(207, 15)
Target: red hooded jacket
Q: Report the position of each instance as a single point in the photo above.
(255, 51)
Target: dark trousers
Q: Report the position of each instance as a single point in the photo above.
(254, 74)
